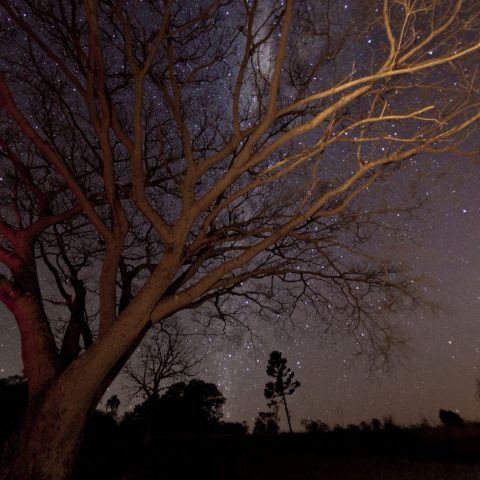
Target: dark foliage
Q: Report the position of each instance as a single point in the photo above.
(112, 404)
(450, 419)
(266, 423)
(283, 376)
(276, 392)
(186, 408)
(168, 355)
(376, 424)
(98, 457)
(314, 426)
(13, 401)
(230, 428)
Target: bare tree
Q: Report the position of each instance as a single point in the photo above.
(201, 154)
(168, 355)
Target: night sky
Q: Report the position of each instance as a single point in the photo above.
(444, 360)
(439, 371)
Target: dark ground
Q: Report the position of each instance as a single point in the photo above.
(415, 453)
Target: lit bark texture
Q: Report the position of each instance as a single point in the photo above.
(221, 160)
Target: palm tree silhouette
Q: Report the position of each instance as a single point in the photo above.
(112, 404)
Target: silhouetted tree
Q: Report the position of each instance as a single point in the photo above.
(314, 426)
(198, 403)
(193, 407)
(450, 419)
(165, 356)
(266, 423)
(112, 404)
(282, 386)
(364, 426)
(389, 423)
(376, 424)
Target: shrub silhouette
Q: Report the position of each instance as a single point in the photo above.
(376, 424)
(266, 423)
(195, 407)
(314, 426)
(450, 419)
(389, 423)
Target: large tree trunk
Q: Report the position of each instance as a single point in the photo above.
(49, 440)
(55, 420)
(60, 403)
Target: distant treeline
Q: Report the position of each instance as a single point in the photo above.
(181, 434)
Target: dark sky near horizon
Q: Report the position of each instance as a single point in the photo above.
(439, 371)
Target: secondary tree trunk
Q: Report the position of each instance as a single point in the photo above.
(287, 412)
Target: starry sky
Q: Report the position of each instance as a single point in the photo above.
(442, 362)
(439, 371)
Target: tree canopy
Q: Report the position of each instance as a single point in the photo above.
(159, 157)
(193, 407)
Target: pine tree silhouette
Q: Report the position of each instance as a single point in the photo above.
(284, 384)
